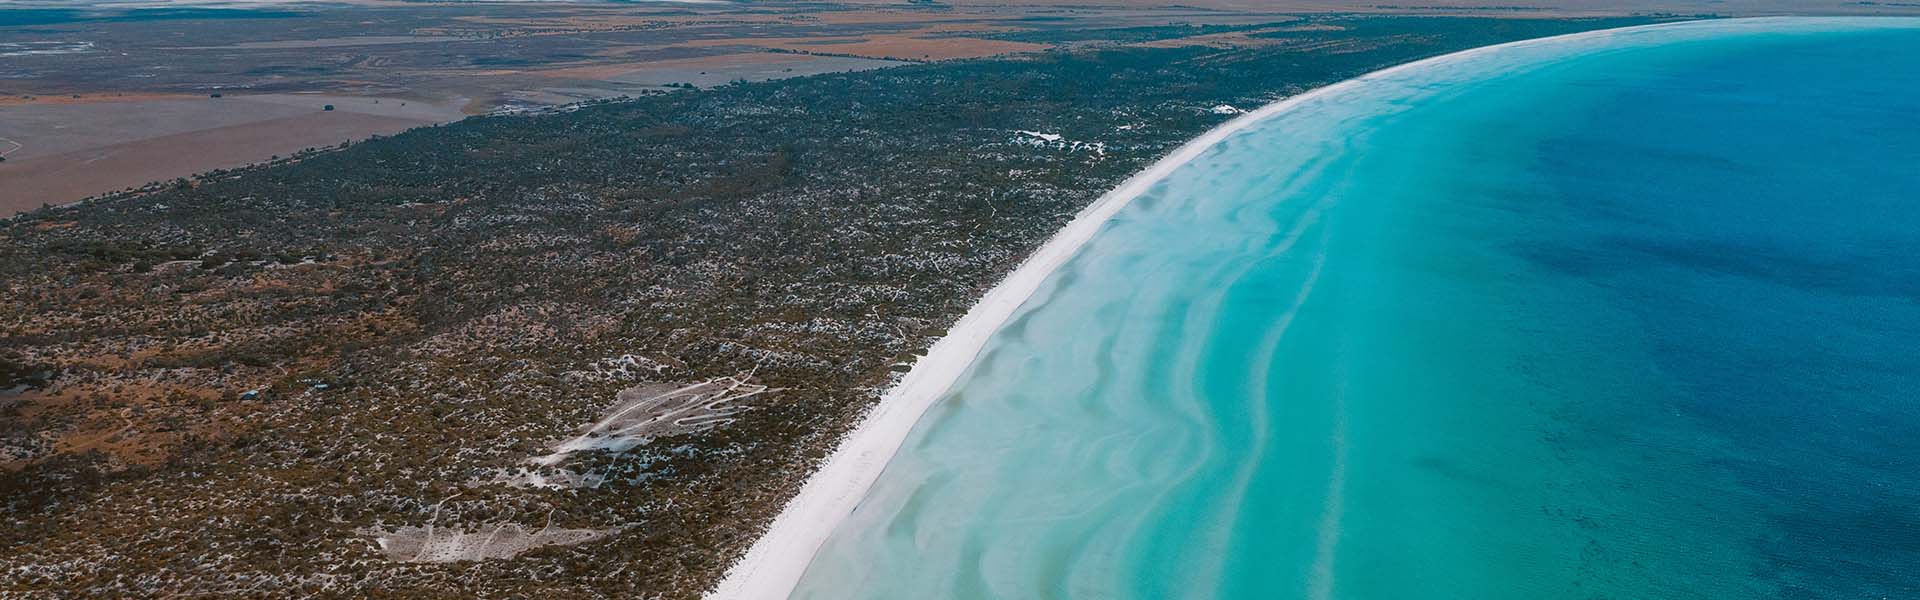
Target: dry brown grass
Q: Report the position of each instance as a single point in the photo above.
(58, 179)
(1234, 38)
(92, 98)
(907, 46)
(716, 61)
(129, 425)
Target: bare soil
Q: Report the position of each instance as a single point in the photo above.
(26, 184)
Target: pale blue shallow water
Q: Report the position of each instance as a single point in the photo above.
(1622, 316)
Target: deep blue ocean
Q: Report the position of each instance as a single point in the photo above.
(1627, 315)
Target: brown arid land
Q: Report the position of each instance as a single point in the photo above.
(472, 58)
(70, 150)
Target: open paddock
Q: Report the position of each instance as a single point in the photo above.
(708, 71)
(908, 46)
(63, 152)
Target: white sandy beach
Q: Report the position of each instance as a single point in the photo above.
(776, 562)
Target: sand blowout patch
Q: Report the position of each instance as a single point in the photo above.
(652, 411)
(499, 541)
(506, 540)
(640, 415)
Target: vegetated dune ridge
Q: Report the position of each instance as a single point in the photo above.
(776, 562)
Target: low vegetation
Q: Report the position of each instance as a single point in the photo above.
(327, 376)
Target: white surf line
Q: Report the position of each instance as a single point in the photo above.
(775, 563)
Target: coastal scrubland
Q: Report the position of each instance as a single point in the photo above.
(350, 373)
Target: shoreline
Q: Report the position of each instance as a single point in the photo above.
(774, 565)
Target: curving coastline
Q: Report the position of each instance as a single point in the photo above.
(777, 561)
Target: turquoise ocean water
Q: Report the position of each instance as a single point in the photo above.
(1624, 316)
